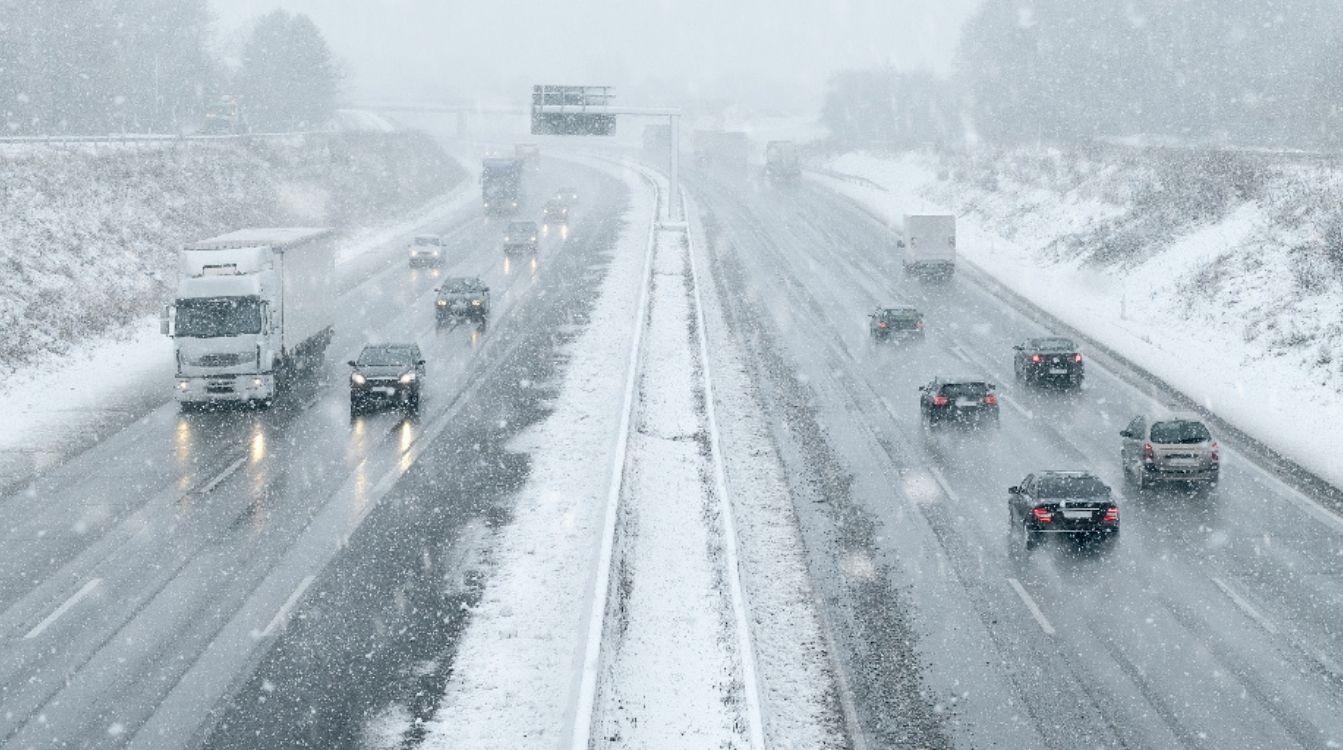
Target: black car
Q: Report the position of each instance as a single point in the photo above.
(555, 212)
(965, 400)
(521, 236)
(462, 297)
(1053, 360)
(386, 374)
(1062, 502)
(895, 322)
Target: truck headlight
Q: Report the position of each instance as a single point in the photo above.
(475, 302)
(357, 379)
(182, 385)
(256, 382)
(408, 378)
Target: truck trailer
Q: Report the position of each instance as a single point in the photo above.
(253, 308)
(929, 244)
(781, 161)
(501, 184)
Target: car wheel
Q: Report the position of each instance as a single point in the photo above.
(1030, 539)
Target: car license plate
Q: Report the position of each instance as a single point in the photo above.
(1076, 515)
(386, 391)
(1058, 371)
(965, 403)
(1184, 463)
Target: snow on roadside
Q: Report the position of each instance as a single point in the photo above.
(517, 665)
(799, 688)
(1159, 311)
(672, 675)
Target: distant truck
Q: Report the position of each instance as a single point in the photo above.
(253, 307)
(729, 150)
(225, 116)
(929, 244)
(781, 161)
(501, 184)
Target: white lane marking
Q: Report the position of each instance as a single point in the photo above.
(587, 687)
(1245, 606)
(1032, 606)
(282, 615)
(754, 714)
(944, 484)
(1023, 411)
(74, 599)
(221, 476)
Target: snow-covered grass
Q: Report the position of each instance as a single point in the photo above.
(88, 239)
(1222, 274)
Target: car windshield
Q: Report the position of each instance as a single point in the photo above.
(383, 356)
(1053, 345)
(1180, 432)
(426, 240)
(212, 317)
(461, 286)
(899, 315)
(965, 390)
(521, 227)
(1069, 485)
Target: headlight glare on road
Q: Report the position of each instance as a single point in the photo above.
(357, 379)
(408, 378)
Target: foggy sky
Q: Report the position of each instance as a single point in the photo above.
(754, 51)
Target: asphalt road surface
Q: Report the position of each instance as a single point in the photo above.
(156, 587)
(1212, 623)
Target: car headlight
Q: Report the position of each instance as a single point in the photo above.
(442, 303)
(507, 238)
(533, 238)
(256, 382)
(357, 379)
(182, 385)
(408, 378)
(476, 302)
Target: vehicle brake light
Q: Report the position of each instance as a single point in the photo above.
(1042, 515)
(1112, 514)
(1037, 358)
(1148, 453)
(1216, 452)
(991, 399)
(918, 324)
(940, 400)
(882, 325)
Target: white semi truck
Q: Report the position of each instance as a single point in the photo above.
(929, 244)
(253, 308)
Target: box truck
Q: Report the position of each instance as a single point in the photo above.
(929, 244)
(253, 308)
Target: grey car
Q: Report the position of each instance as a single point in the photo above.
(428, 250)
(386, 374)
(1170, 448)
(521, 237)
(462, 297)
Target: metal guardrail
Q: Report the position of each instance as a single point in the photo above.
(126, 138)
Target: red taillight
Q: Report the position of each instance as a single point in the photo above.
(1148, 453)
(940, 400)
(1112, 514)
(1036, 358)
(991, 399)
(1042, 515)
(881, 325)
(1077, 357)
(1216, 452)
(919, 324)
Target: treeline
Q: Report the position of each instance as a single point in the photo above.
(1245, 72)
(107, 66)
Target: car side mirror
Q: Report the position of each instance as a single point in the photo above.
(352, 363)
(1126, 433)
(166, 321)
(1014, 490)
(486, 289)
(419, 361)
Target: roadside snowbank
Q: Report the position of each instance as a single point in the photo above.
(1220, 275)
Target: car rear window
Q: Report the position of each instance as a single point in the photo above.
(1180, 431)
(1055, 345)
(965, 390)
(1071, 486)
(900, 316)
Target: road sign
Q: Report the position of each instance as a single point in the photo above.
(573, 110)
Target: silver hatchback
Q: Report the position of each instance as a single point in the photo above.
(1170, 448)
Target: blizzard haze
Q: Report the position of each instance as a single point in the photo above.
(754, 52)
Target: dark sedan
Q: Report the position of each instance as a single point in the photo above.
(1053, 360)
(895, 322)
(963, 400)
(386, 374)
(1075, 503)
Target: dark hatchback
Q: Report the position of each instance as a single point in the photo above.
(965, 400)
(1053, 360)
(1076, 503)
(386, 374)
(886, 323)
